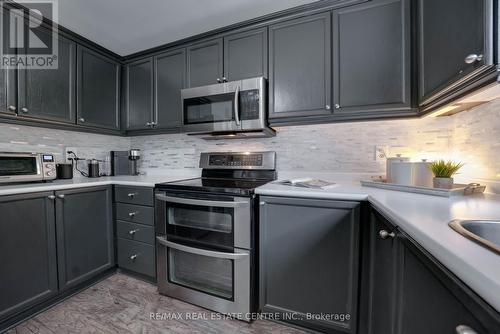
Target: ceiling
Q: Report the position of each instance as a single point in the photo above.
(129, 26)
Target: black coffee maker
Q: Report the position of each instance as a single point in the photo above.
(125, 162)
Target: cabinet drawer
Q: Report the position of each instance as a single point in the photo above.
(135, 213)
(134, 195)
(136, 256)
(135, 232)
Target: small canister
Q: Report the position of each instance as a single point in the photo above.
(402, 173)
(93, 168)
(422, 174)
(64, 171)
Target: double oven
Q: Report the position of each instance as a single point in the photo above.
(205, 231)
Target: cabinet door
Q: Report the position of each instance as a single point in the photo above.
(245, 55)
(8, 78)
(98, 90)
(450, 31)
(84, 223)
(50, 93)
(300, 67)
(28, 256)
(371, 62)
(379, 277)
(204, 63)
(139, 94)
(170, 72)
(434, 301)
(309, 261)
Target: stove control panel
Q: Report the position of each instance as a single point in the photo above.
(238, 160)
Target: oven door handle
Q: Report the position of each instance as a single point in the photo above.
(198, 202)
(198, 251)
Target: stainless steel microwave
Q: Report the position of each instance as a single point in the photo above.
(26, 167)
(227, 110)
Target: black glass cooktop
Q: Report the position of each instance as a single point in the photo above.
(216, 185)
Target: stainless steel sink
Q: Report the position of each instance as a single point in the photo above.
(484, 232)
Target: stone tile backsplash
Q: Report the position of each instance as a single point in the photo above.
(472, 137)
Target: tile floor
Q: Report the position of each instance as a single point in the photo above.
(122, 304)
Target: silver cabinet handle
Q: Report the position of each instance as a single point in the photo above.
(132, 232)
(327, 107)
(189, 201)
(61, 196)
(51, 197)
(148, 124)
(12, 108)
(384, 234)
(132, 214)
(219, 80)
(131, 195)
(337, 106)
(224, 79)
(472, 58)
(133, 257)
(81, 120)
(237, 106)
(462, 329)
(153, 124)
(24, 109)
(199, 251)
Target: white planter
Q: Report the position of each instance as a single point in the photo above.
(443, 182)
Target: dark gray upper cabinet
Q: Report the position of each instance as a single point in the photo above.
(309, 260)
(28, 256)
(50, 93)
(245, 55)
(449, 32)
(371, 58)
(85, 245)
(98, 79)
(8, 79)
(139, 94)
(300, 67)
(170, 77)
(204, 63)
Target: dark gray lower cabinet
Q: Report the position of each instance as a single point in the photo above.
(371, 61)
(410, 292)
(98, 87)
(309, 262)
(85, 240)
(28, 259)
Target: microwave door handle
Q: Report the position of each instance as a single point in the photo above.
(198, 251)
(189, 201)
(237, 105)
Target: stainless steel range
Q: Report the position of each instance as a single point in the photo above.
(206, 232)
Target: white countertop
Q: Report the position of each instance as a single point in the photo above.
(425, 218)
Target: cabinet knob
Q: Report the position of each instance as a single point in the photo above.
(219, 80)
(133, 257)
(131, 195)
(337, 106)
(224, 79)
(132, 232)
(472, 58)
(328, 107)
(384, 234)
(81, 120)
(153, 124)
(148, 124)
(132, 214)
(61, 196)
(24, 109)
(12, 108)
(462, 329)
(51, 197)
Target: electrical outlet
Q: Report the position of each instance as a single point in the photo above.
(381, 152)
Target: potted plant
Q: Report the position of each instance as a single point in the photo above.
(443, 172)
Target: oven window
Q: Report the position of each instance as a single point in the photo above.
(203, 273)
(18, 166)
(201, 217)
(210, 109)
